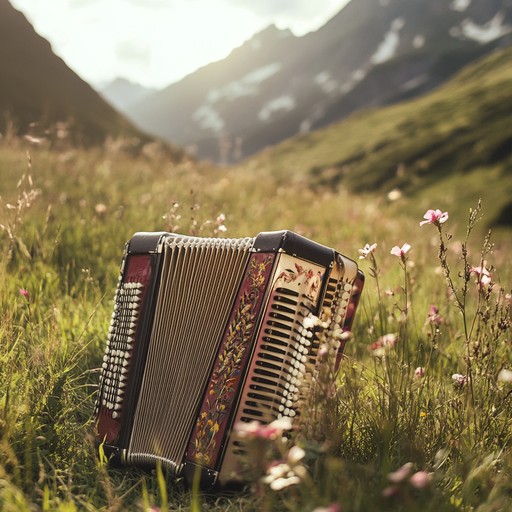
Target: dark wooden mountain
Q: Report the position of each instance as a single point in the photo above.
(36, 86)
(276, 85)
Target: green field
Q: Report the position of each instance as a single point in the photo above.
(65, 218)
(419, 416)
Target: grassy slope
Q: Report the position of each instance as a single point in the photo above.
(448, 147)
(66, 246)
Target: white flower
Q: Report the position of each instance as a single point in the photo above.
(295, 454)
(505, 375)
(366, 250)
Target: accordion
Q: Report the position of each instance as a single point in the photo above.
(209, 332)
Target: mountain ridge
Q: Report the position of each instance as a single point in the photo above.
(277, 85)
(38, 88)
(448, 146)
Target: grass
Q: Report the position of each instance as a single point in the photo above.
(65, 218)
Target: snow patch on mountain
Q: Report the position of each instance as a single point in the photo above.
(485, 33)
(354, 79)
(460, 5)
(490, 31)
(317, 114)
(285, 102)
(326, 83)
(208, 118)
(388, 47)
(248, 85)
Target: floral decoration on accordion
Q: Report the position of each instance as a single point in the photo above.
(225, 378)
(312, 279)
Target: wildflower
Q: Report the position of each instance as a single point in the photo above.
(505, 375)
(401, 473)
(282, 482)
(483, 277)
(390, 491)
(459, 380)
(100, 208)
(255, 429)
(295, 454)
(420, 480)
(419, 373)
(220, 223)
(333, 507)
(288, 472)
(436, 217)
(400, 252)
(367, 250)
(383, 343)
(323, 351)
(394, 195)
(24, 293)
(433, 315)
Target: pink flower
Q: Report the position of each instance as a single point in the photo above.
(383, 344)
(483, 277)
(433, 315)
(420, 480)
(333, 507)
(459, 380)
(419, 373)
(255, 429)
(24, 293)
(367, 250)
(436, 217)
(401, 473)
(400, 252)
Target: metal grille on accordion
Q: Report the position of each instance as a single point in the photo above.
(208, 332)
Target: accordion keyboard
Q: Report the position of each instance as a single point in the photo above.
(119, 346)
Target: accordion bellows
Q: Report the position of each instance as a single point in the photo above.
(208, 332)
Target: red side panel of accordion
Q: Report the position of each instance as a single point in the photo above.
(121, 348)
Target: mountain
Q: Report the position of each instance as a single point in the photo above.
(36, 86)
(444, 149)
(121, 93)
(373, 52)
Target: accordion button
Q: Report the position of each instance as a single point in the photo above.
(115, 415)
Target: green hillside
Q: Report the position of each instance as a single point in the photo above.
(454, 145)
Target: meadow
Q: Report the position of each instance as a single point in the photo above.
(418, 417)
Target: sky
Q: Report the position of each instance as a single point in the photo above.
(158, 42)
